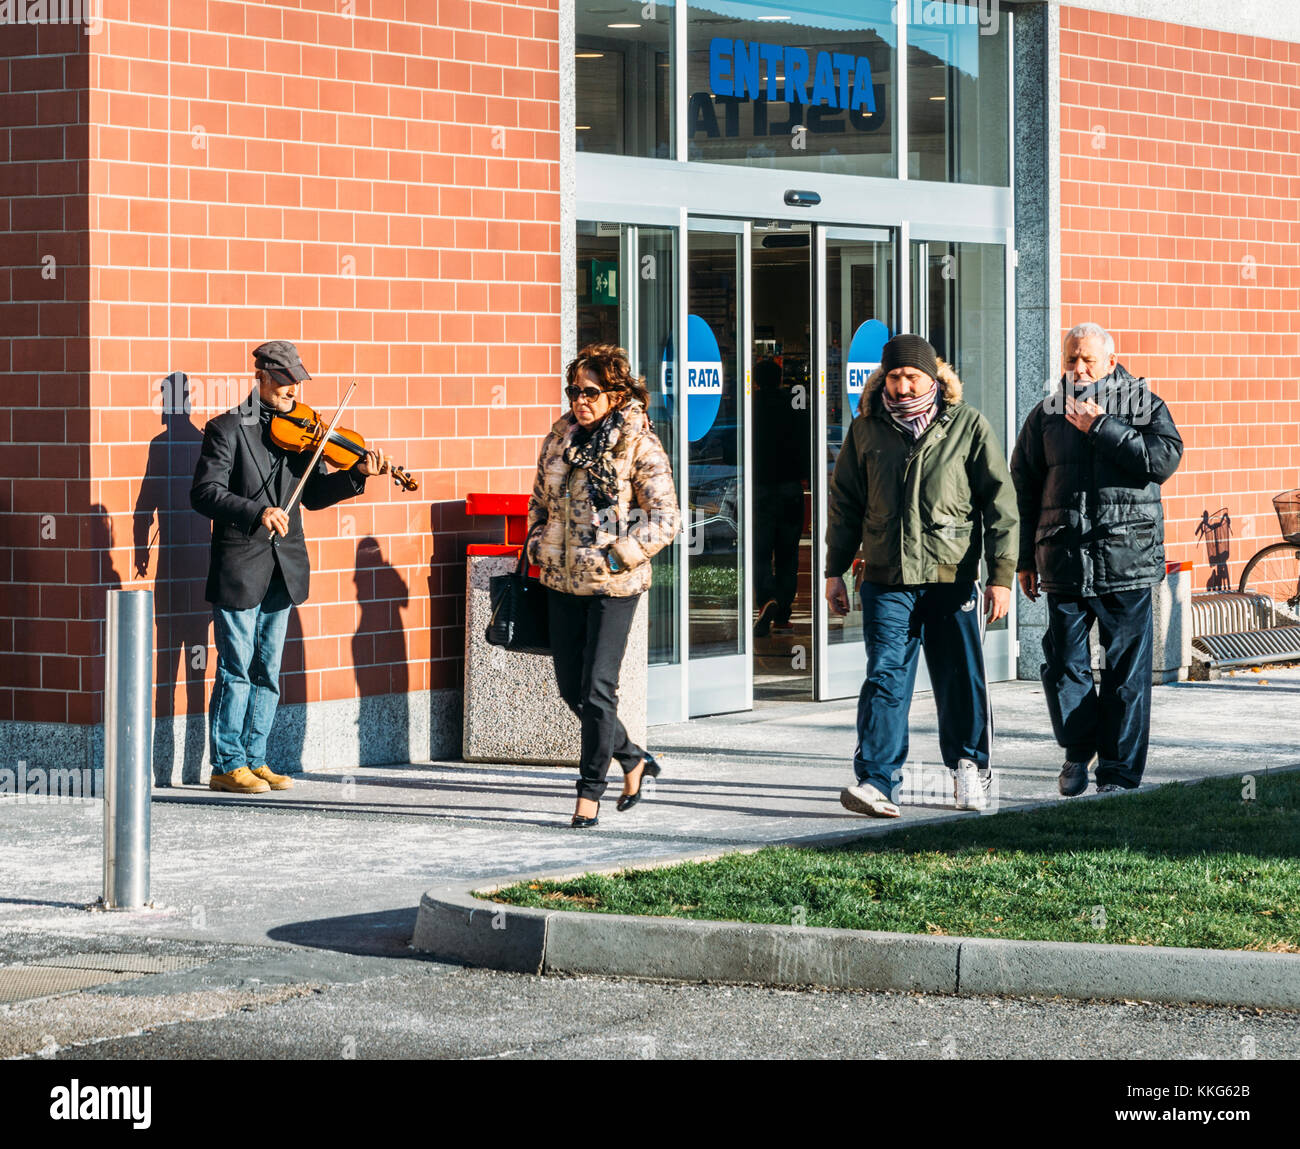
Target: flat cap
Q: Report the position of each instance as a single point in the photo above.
(280, 355)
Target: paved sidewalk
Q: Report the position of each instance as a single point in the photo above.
(341, 860)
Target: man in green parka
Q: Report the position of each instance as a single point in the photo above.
(921, 486)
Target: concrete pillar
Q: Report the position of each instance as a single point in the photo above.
(1038, 229)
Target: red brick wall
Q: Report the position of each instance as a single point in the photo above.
(48, 575)
(380, 188)
(1180, 179)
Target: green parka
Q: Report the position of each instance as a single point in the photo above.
(919, 509)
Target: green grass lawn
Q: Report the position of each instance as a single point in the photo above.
(1184, 865)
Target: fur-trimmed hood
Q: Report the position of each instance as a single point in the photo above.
(950, 387)
(922, 510)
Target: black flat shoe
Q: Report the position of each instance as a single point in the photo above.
(581, 823)
(651, 767)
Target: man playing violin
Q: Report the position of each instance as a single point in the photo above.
(259, 566)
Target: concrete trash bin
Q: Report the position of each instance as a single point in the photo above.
(513, 710)
(1171, 621)
(1171, 627)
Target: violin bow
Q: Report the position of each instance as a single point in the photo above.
(320, 448)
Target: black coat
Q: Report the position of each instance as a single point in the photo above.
(241, 473)
(1091, 522)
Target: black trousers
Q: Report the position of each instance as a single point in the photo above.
(588, 638)
(778, 527)
(1114, 722)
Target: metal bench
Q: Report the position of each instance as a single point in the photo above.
(1230, 629)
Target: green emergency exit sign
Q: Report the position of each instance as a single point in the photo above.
(604, 282)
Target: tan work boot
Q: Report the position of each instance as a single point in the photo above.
(274, 780)
(239, 781)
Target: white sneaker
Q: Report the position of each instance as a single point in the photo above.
(971, 785)
(865, 799)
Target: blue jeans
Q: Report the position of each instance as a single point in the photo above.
(897, 623)
(247, 687)
(1114, 722)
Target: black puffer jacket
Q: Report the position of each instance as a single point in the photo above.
(1090, 516)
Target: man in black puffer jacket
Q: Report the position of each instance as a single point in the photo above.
(1087, 467)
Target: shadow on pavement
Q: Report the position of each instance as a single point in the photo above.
(42, 902)
(383, 934)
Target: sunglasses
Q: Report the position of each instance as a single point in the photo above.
(591, 394)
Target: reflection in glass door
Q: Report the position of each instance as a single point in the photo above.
(783, 535)
(652, 251)
(854, 276)
(959, 303)
(715, 387)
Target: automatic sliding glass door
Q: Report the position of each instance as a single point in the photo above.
(714, 394)
(854, 276)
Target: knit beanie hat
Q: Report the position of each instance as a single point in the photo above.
(909, 351)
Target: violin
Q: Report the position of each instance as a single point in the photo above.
(301, 429)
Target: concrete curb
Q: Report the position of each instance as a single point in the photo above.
(454, 925)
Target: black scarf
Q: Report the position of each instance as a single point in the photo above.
(265, 414)
(591, 449)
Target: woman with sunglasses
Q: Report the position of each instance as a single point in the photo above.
(603, 504)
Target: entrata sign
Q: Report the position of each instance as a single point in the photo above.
(864, 357)
(749, 70)
(703, 378)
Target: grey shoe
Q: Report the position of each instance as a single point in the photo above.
(1113, 788)
(864, 799)
(1073, 779)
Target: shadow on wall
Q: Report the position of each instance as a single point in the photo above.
(379, 657)
(165, 523)
(105, 573)
(379, 665)
(452, 532)
(1216, 530)
(289, 734)
(96, 536)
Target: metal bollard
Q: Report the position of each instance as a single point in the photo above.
(128, 747)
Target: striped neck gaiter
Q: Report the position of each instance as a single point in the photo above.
(914, 413)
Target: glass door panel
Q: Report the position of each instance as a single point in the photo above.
(653, 252)
(959, 303)
(856, 274)
(782, 537)
(627, 295)
(714, 393)
(599, 279)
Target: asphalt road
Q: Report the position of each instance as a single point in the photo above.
(293, 911)
(246, 1003)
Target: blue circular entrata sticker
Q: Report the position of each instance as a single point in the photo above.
(703, 378)
(864, 357)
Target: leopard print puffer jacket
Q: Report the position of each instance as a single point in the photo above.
(568, 540)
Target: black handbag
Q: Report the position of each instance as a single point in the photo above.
(520, 620)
